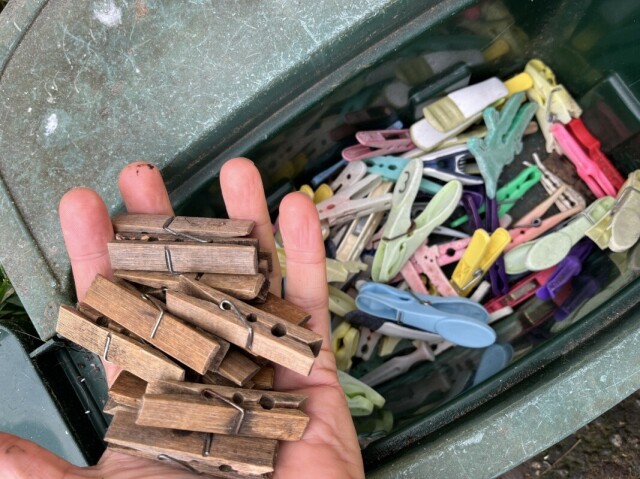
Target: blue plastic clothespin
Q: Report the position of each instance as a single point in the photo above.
(458, 320)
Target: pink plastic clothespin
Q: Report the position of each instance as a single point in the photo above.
(532, 225)
(592, 146)
(378, 143)
(587, 168)
(428, 260)
(521, 291)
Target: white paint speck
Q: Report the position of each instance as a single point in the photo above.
(52, 124)
(475, 439)
(108, 14)
(29, 110)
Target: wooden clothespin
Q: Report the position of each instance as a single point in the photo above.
(194, 451)
(127, 390)
(148, 319)
(284, 309)
(203, 408)
(186, 228)
(245, 287)
(183, 257)
(246, 326)
(264, 378)
(237, 368)
(129, 354)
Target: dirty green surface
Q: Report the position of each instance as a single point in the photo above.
(88, 87)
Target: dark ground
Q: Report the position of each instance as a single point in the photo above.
(608, 447)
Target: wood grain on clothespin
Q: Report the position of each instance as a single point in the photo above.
(237, 368)
(196, 349)
(269, 399)
(281, 308)
(128, 390)
(184, 257)
(140, 359)
(264, 378)
(212, 413)
(273, 321)
(232, 452)
(201, 228)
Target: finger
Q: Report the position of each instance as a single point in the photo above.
(306, 283)
(86, 229)
(143, 190)
(22, 458)
(244, 198)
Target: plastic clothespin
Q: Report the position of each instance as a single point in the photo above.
(390, 168)
(428, 260)
(565, 270)
(322, 192)
(450, 79)
(585, 287)
(551, 182)
(625, 223)
(388, 328)
(494, 359)
(521, 291)
(378, 143)
(509, 194)
(483, 251)
(354, 389)
(452, 114)
(344, 342)
(350, 175)
(449, 164)
(398, 365)
(458, 320)
(549, 250)
(350, 202)
(592, 147)
(327, 173)
(532, 225)
(368, 342)
(554, 101)
(503, 141)
(340, 303)
(587, 169)
(620, 230)
(402, 235)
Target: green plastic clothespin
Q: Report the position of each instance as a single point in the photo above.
(390, 167)
(510, 193)
(503, 141)
(549, 250)
(402, 236)
(362, 399)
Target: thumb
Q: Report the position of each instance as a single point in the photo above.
(20, 459)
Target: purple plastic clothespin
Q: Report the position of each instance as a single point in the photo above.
(584, 288)
(566, 269)
(497, 274)
(472, 201)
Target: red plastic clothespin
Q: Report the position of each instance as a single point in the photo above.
(592, 146)
(378, 143)
(521, 291)
(588, 170)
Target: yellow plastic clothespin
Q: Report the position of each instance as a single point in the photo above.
(339, 271)
(344, 342)
(483, 251)
(340, 303)
(322, 192)
(555, 102)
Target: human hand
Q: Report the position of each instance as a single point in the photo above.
(329, 447)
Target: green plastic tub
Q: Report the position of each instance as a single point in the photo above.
(87, 87)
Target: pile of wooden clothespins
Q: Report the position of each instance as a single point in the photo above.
(189, 318)
(398, 192)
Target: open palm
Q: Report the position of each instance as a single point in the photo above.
(329, 447)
